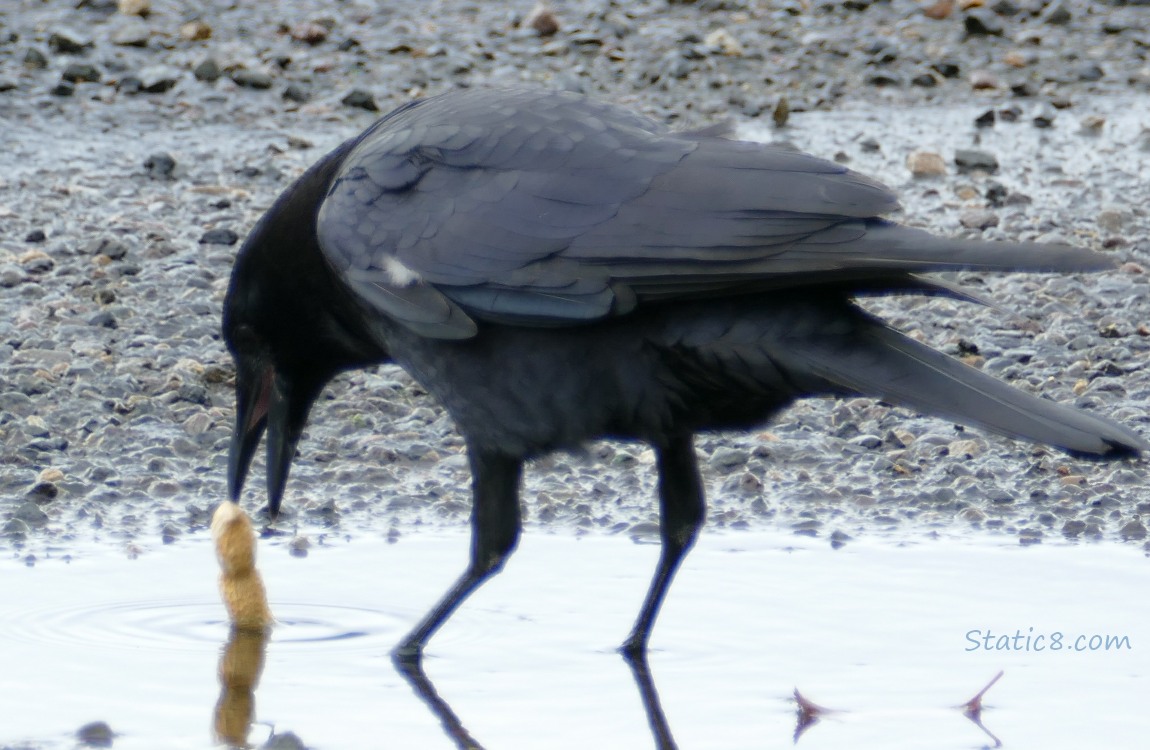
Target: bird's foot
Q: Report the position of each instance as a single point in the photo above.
(408, 655)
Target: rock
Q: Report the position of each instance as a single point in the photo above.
(981, 80)
(132, 33)
(15, 529)
(723, 42)
(10, 276)
(729, 458)
(925, 164)
(81, 73)
(30, 513)
(103, 319)
(285, 741)
(1090, 72)
(208, 70)
(296, 93)
(939, 10)
(219, 236)
(156, 79)
(96, 734)
(1113, 220)
(251, 79)
(781, 113)
(68, 42)
(309, 32)
(978, 218)
(110, 247)
(361, 99)
(1133, 530)
(196, 31)
(946, 69)
(1073, 528)
(160, 166)
(541, 20)
(1044, 118)
(964, 449)
(1057, 13)
(1092, 124)
(982, 22)
(34, 59)
(135, 7)
(969, 159)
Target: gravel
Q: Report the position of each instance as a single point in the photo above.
(140, 149)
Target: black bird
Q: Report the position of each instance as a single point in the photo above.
(554, 269)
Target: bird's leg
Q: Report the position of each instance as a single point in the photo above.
(495, 524)
(681, 513)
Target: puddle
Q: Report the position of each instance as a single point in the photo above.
(880, 632)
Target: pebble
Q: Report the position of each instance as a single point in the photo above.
(160, 166)
(196, 31)
(156, 79)
(925, 164)
(542, 20)
(729, 458)
(982, 22)
(724, 43)
(207, 70)
(284, 741)
(135, 7)
(79, 72)
(978, 218)
(1133, 530)
(360, 99)
(964, 448)
(252, 79)
(1057, 13)
(132, 33)
(96, 734)
(968, 159)
(68, 42)
(30, 513)
(219, 236)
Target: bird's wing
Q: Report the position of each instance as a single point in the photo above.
(544, 208)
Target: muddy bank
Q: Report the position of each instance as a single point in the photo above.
(139, 150)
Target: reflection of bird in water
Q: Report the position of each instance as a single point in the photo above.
(240, 582)
(242, 660)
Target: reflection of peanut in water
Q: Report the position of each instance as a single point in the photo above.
(240, 582)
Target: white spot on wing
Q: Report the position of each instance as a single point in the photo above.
(399, 274)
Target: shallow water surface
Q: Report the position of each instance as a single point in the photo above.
(877, 631)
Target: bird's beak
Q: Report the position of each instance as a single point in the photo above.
(253, 398)
(284, 427)
(266, 401)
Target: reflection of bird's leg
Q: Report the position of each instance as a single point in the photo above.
(412, 671)
(972, 709)
(650, 695)
(495, 525)
(682, 507)
(242, 660)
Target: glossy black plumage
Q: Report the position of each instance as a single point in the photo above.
(554, 269)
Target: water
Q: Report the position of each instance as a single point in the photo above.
(875, 630)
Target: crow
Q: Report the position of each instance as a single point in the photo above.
(554, 269)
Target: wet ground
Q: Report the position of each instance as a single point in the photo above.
(122, 198)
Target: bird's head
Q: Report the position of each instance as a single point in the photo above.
(290, 325)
